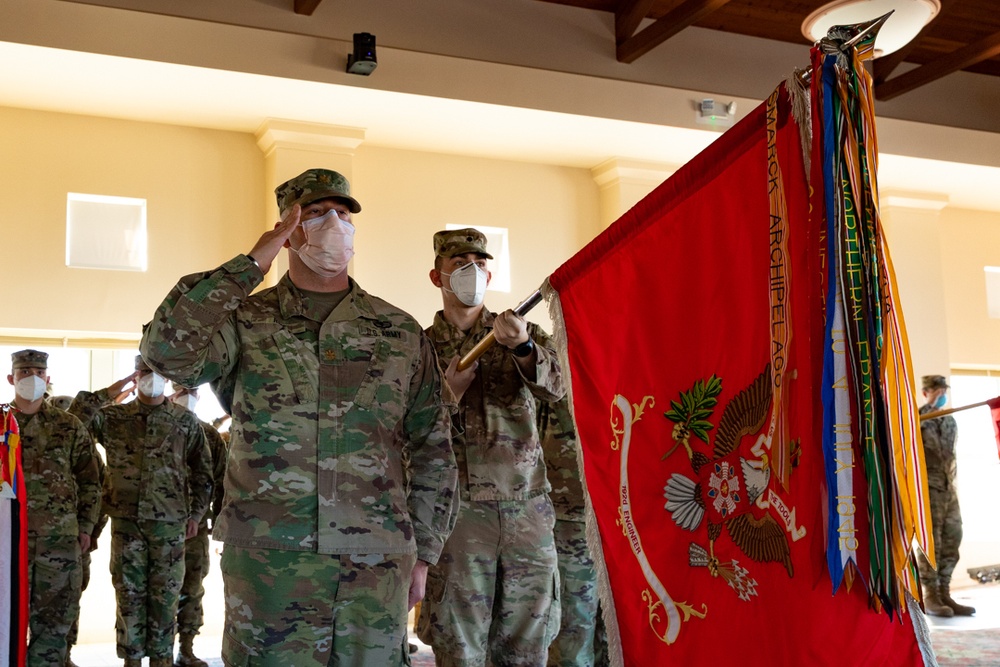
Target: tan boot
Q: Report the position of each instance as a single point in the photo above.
(959, 609)
(161, 662)
(187, 658)
(933, 604)
(133, 662)
(69, 661)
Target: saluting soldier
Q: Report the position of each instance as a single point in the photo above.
(340, 485)
(190, 611)
(157, 487)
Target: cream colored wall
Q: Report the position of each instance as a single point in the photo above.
(204, 205)
(939, 258)
(551, 212)
(914, 237)
(970, 240)
(208, 199)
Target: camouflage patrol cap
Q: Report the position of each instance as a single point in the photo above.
(140, 364)
(29, 359)
(313, 185)
(934, 382)
(451, 242)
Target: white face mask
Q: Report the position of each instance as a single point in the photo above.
(30, 388)
(468, 284)
(187, 401)
(151, 385)
(329, 244)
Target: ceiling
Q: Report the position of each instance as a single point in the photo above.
(65, 61)
(965, 35)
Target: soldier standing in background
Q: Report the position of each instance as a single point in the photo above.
(939, 436)
(63, 486)
(190, 613)
(85, 563)
(581, 641)
(493, 596)
(63, 403)
(340, 484)
(156, 489)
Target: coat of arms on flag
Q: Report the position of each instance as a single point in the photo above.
(740, 389)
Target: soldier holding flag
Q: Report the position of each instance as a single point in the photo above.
(939, 436)
(493, 596)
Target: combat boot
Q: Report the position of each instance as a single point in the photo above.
(959, 609)
(933, 604)
(133, 662)
(161, 662)
(186, 657)
(69, 662)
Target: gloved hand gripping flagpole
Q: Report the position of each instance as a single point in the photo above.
(486, 343)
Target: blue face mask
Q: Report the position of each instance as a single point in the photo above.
(940, 401)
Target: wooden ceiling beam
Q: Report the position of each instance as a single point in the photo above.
(668, 25)
(966, 56)
(306, 7)
(628, 15)
(884, 66)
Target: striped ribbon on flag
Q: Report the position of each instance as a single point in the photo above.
(876, 404)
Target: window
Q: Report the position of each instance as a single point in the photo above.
(978, 468)
(105, 232)
(992, 290)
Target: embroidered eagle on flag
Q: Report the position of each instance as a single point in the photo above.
(726, 486)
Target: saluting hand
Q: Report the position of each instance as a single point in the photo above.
(270, 243)
(121, 390)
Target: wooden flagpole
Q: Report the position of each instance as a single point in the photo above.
(942, 413)
(487, 342)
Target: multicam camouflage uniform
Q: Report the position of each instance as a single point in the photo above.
(581, 641)
(85, 563)
(494, 595)
(63, 488)
(939, 436)
(190, 612)
(335, 409)
(159, 476)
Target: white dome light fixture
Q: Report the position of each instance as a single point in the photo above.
(908, 19)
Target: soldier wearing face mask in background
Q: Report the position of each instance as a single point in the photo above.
(190, 612)
(157, 488)
(493, 596)
(340, 484)
(939, 436)
(62, 482)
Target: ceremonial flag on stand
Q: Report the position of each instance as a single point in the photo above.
(13, 546)
(695, 332)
